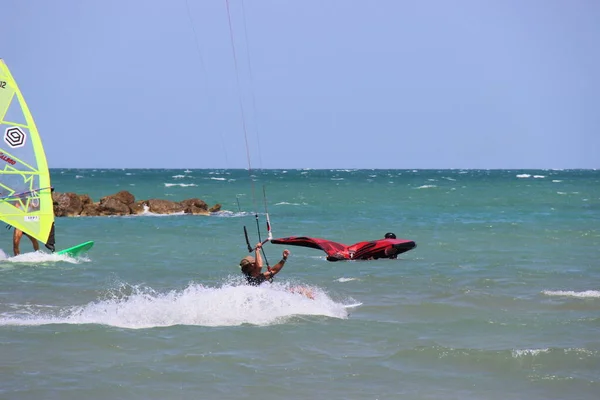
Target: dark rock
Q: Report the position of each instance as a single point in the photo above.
(139, 207)
(112, 206)
(123, 197)
(123, 203)
(91, 210)
(194, 206)
(158, 206)
(66, 204)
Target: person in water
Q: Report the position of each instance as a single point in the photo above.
(17, 235)
(252, 267)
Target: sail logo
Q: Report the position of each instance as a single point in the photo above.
(7, 158)
(15, 137)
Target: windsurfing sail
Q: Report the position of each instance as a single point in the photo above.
(369, 250)
(25, 191)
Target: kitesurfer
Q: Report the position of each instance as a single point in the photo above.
(252, 266)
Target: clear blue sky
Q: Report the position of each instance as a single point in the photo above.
(323, 83)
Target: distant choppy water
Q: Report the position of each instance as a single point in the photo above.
(500, 299)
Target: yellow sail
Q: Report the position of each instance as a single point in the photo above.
(25, 192)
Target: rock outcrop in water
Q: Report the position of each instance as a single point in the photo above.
(124, 203)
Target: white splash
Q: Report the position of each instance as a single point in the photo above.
(570, 293)
(528, 352)
(40, 258)
(285, 203)
(231, 304)
(180, 184)
(231, 214)
(346, 279)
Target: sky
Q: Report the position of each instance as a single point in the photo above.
(310, 84)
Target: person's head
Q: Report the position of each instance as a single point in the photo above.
(247, 264)
(390, 235)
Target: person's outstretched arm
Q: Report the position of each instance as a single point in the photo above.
(277, 267)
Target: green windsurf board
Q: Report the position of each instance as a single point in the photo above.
(77, 250)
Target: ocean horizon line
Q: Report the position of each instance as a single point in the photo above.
(320, 169)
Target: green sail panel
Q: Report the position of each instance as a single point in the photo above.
(25, 191)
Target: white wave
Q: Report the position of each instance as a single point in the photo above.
(229, 305)
(523, 176)
(148, 213)
(217, 179)
(178, 176)
(556, 180)
(569, 350)
(528, 352)
(538, 176)
(570, 293)
(426, 186)
(78, 176)
(337, 179)
(231, 214)
(40, 257)
(346, 279)
(285, 203)
(180, 184)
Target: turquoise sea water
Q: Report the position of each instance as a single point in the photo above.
(500, 299)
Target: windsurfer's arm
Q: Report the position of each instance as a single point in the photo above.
(277, 267)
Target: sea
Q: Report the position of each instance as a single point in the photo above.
(499, 300)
